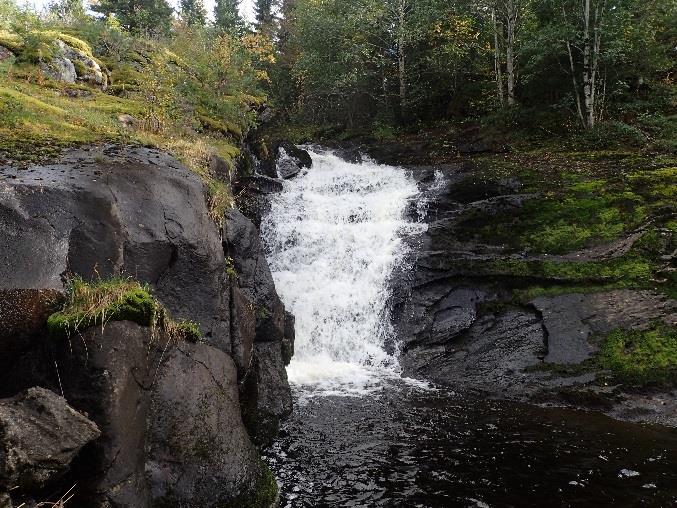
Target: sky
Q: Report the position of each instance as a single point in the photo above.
(246, 6)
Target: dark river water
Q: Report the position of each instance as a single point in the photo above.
(403, 446)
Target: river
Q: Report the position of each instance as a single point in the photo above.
(360, 434)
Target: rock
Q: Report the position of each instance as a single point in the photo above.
(220, 168)
(287, 167)
(69, 64)
(291, 160)
(243, 331)
(289, 337)
(98, 213)
(265, 390)
(242, 244)
(23, 314)
(104, 211)
(108, 373)
(40, 434)
(199, 453)
(87, 68)
(570, 320)
(262, 184)
(5, 54)
(128, 121)
(59, 68)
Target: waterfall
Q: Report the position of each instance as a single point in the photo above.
(334, 235)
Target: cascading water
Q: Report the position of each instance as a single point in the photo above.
(334, 236)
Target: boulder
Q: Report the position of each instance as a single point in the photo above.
(198, 451)
(291, 160)
(40, 434)
(59, 68)
(5, 54)
(267, 398)
(101, 212)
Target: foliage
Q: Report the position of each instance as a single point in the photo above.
(100, 301)
(193, 12)
(642, 356)
(91, 304)
(417, 63)
(147, 17)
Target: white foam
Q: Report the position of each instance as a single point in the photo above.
(334, 236)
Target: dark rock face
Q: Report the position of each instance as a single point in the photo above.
(169, 414)
(458, 324)
(40, 434)
(131, 211)
(108, 373)
(264, 401)
(199, 453)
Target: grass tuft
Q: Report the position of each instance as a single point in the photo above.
(116, 299)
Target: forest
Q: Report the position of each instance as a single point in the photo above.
(595, 73)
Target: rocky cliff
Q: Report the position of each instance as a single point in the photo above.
(495, 307)
(146, 419)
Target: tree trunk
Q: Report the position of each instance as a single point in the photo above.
(510, 51)
(588, 77)
(497, 61)
(401, 8)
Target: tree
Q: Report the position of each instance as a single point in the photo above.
(150, 17)
(67, 10)
(227, 15)
(193, 12)
(265, 17)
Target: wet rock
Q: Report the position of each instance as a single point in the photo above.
(254, 278)
(40, 434)
(289, 337)
(563, 319)
(291, 160)
(244, 329)
(266, 393)
(199, 452)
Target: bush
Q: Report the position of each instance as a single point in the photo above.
(611, 135)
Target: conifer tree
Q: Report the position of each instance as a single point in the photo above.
(265, 19)
(227, 15)
(150, 17)
(193, 12)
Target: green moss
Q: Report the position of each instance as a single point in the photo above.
(642, 357)
(262, 495)
(96, 303)
(221, 126)
(188, 331)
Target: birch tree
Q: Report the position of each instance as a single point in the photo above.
(586, 23)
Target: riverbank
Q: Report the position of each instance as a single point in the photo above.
(543, 277)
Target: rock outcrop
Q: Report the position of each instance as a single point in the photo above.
(40, 435)
(460, 324)
(170, 413)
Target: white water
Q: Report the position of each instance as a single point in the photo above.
(334, 236)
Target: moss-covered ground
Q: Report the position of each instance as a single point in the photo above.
(153, 99)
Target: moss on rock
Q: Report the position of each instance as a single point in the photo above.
(642, 357)
(90, 304)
